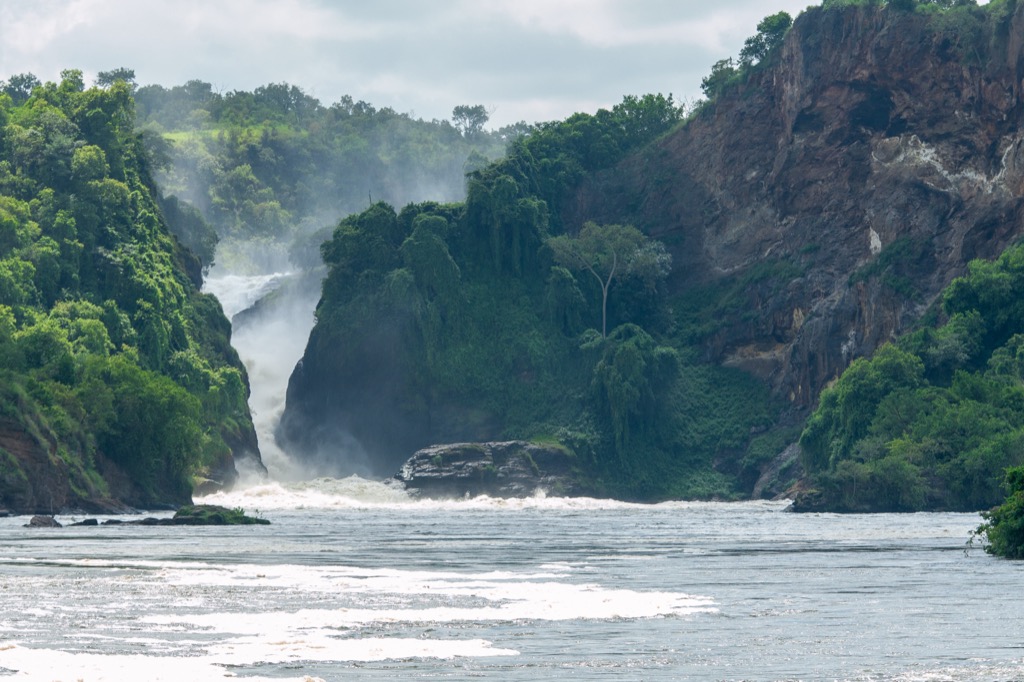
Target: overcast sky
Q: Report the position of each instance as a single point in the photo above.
(523, 59)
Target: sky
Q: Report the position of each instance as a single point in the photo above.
(524, 60)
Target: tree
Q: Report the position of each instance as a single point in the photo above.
(1004, 526)
(20, 87)
(721, 72)
(770, 32)
(105, 79)
(610, 251)
(470, 120)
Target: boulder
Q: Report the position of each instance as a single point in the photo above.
(512, 469)
(43, 522)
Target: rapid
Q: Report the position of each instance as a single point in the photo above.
(354, 579)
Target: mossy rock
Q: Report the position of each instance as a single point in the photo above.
(214, 515)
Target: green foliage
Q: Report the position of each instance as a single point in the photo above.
(630, 378)
(756, 49)
(770, 32)
(276, 164)
(97, 306)
(933, 422)
(457, 319)
(703, 311)
(215, 515)
(610, 251)
(548, 162)
(723, 73)
(470, 120)
(1003, 529)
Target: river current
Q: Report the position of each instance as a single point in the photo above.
(353, 580)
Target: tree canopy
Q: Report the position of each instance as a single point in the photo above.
(110, 354)
(610, 251)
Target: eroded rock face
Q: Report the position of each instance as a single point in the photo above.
(845, 186)
(509, 469)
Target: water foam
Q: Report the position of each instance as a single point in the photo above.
(51, 664)
(355, 492)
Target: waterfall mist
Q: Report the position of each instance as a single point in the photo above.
(271, 316)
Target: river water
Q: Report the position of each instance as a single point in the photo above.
(353, 580)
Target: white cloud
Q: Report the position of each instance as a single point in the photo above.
(527, 59)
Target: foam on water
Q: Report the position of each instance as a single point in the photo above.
(354, 492)
(204, 644)
(51, 664)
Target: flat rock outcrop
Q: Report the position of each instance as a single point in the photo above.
(507, 469)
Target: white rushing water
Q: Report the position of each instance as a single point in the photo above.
(269, 342)
(354, 580)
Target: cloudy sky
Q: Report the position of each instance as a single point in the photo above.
(523, 59)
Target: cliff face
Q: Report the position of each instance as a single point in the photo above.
(813, 212)
(877, 155)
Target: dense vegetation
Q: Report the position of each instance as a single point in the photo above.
(934, 420)
(107, 351)
(1003, 529)
(269, 169)
(491, 319)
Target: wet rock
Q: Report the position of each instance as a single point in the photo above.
(506, 469)
(43, 522)
(86, 522)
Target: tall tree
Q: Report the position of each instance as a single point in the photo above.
(105, 79)
(470, 120)
(20, 86)
(609, 252)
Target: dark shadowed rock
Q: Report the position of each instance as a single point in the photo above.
(509, 469)
(43, 522)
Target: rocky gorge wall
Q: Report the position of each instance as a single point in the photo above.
(841, 187)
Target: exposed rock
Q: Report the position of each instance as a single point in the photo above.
(43, 522)
(35, 479)
(509, 469)
(211, 515)
(832, 195)
(189, 515)
(843, 186)
(784, 468)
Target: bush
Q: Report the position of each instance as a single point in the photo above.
(1003, 530)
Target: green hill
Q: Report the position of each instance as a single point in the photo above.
(118, 383)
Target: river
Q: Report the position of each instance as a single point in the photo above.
(353, 580)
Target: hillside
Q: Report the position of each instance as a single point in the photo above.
(869, 162)
(813, 210)
(269, 169)
(118, 383)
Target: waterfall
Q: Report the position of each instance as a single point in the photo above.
(271, 316)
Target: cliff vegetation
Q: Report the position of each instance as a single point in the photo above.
(844, 170)
(118, 383)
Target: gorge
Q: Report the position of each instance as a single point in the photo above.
(814, 208)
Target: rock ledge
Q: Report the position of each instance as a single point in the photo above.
(507, 469)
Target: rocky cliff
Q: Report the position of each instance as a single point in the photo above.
(839, 188)
(814, 210)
